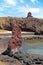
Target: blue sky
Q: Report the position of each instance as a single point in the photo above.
(20, 8)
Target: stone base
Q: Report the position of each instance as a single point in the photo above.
(25, 58)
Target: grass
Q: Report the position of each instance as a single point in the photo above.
(41, 27)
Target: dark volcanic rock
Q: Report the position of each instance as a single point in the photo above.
(8, 60)
(24, 58)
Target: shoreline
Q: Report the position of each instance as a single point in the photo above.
(37, 55)
(24, 35)
(22, 58)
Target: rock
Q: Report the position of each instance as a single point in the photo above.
(38, 62)
(17, 63)
(29, 15)
(22, 58)
(26, 24)
(25, 58)
(3, 63)
(6, 60)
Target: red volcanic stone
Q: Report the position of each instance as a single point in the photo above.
(16, 40)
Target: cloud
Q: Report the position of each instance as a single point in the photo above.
(11, 2)
(34, 10)
(9, 8)
(40, 14)
(25, 9)
(33, 1)
(22, 1)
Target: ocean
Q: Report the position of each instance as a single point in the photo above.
(34, 48)
(30, 47)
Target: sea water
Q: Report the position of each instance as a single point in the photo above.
(34, 48)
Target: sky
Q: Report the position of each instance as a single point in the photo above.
(20, 8)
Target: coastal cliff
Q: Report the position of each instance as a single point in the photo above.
(29, 24)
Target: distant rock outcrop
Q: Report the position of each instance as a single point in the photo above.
(26, 24)
(29, 15)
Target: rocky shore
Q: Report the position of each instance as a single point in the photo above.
(21, 58)
(26, 24)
